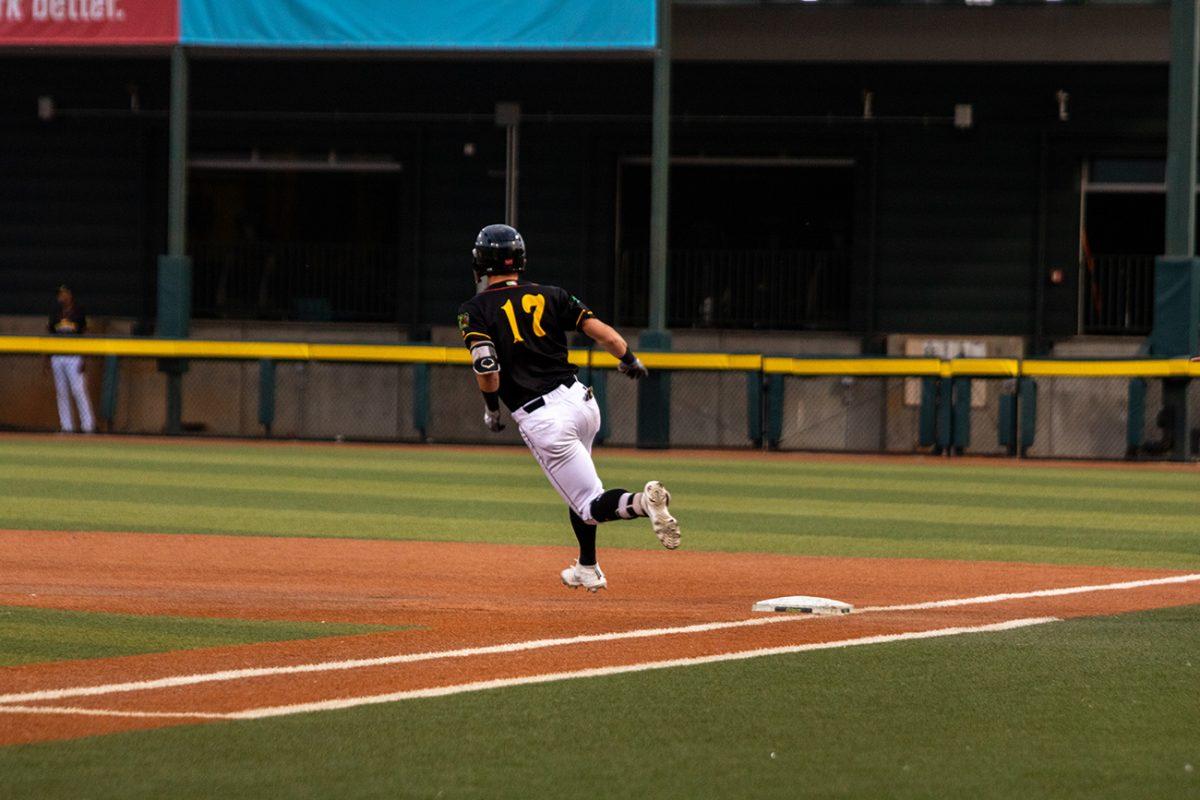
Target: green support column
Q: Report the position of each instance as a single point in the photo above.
(177, 177)
(1027, 400)
(108, 391)
(927, 414)
(773, 430)
(1176, 305)
(1181, 131)
(945, 416)
(1135, 428)
(175, 268)
(266, 394)
(754, 407)
(960, 439)
(654, 393)
(1177, 275)
(660, 165)
(654, 397)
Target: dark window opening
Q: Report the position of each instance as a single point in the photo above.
(751, 245)
(305, 245)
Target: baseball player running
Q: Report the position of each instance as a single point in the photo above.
(516, 332)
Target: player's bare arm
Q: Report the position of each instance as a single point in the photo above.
(607, 337)
(489, 386)
(488, 383)
(486, 366)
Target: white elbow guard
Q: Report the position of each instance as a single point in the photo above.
(484, 359)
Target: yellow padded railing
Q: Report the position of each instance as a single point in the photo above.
(720, 362)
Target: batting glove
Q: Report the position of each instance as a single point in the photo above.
(492, 420)
(634, 370)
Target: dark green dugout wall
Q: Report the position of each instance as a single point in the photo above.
(954, 230)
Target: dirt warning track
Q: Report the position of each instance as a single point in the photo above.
(479, 616)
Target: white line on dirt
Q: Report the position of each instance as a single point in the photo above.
(106, 712)
(538, 644)
(596, 672)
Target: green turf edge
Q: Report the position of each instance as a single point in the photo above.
(1048, 515)
(30, 635)
(1095, 708)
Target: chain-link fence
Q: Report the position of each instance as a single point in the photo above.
(892, 414)
(1047, 417)
(1059, 416)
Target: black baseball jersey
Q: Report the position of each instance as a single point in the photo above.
(527, 323)
(67, 321)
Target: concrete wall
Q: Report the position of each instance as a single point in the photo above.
(312, 399)
(352, 401)
(898, 423)
(1087, 417)
(1077, 417)
(710, 409)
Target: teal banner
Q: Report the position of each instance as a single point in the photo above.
(421, 25)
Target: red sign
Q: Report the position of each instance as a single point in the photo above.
(88, 22)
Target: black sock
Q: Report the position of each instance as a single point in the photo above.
(604, 507)
(614, 504)
(586, 534)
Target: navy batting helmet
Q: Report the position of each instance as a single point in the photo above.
(499, 249)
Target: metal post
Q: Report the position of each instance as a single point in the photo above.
(1179, 286)
(174, 268)
(654, 393)
(1181, 131)
(660, 163)
(513, 171)
(177, 166)
(508, 116)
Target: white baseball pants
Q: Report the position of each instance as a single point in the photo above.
(69, 381)
(559, 435)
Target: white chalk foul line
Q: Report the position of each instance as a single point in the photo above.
(380, 661)
(1000, 598)
(538, 644)
(479, 686)
(106, 712)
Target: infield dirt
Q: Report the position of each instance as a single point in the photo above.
(465, 595)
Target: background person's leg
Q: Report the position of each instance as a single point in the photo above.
(62, 392)
(78, 381)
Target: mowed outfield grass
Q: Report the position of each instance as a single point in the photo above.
(33, 635)
(895, 510)
(1088, 708)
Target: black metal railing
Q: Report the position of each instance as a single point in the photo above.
(751, 289)
(295, 280)
(1118, 294)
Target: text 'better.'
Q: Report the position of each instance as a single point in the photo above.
(62, 10)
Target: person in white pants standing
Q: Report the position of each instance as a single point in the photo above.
(516, 332)
(68, 319)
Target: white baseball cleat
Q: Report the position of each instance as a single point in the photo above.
(656, 499)
(590, 578)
